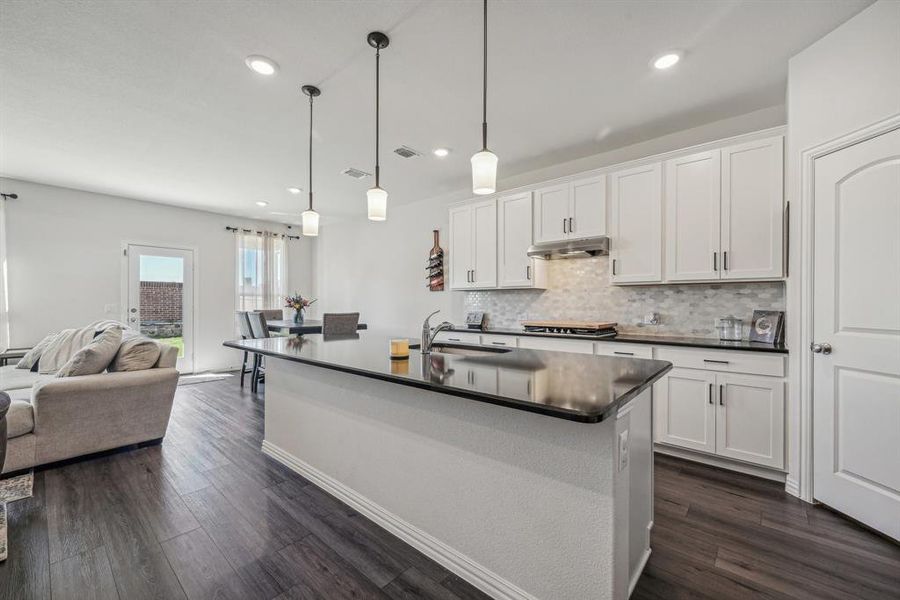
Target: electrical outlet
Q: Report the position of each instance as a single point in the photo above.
(623, 450)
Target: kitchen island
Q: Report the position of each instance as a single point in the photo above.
(527, 473)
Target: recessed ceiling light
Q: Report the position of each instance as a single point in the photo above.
(261, 64)
(441, 152)
(262, 203)
(294, 190)
(669, 59)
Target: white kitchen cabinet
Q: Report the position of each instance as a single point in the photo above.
(685, 409)
(693, 202)
(571, 210)
(750, 419)
(753, 210)
(623, 350)
(473, 245)
(636, 225)
(514, 235)
(556, 344)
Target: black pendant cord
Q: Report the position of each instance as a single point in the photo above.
(310, 151)
(377, 110)
(484, 87)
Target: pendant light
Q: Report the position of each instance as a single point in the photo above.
(309, 216)
(484, 163)
(377, 197)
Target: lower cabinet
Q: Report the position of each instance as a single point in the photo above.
(730, 415)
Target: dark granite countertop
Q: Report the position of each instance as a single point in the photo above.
(631, 338)
(575, 387)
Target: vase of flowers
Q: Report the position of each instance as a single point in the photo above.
(299, 304)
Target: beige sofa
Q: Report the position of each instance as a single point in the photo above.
(55, 418)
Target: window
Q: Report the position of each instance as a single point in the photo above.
(261, 271)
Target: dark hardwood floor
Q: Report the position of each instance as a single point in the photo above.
(206, 515)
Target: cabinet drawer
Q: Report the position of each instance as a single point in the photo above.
(627, 350)
(458, 337)
(727, 361)
(556, 344)
(504, 341)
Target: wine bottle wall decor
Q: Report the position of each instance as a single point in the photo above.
(435, 269)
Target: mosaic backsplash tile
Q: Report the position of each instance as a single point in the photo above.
(579, 289)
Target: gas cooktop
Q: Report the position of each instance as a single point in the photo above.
(586, 328)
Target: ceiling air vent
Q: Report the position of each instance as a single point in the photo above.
(407, 152)
(355, 173)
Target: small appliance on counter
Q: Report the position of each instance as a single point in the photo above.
(591, 328)
(731, 329)
(475, 320)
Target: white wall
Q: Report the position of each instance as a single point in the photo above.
(379, 268)
(846, 81)
(65, 262)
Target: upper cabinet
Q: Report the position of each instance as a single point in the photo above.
(473, 245)
(693, 197)
(636, 225)
(724, 213)
(514, 235)
(753, 210)
(571, 210)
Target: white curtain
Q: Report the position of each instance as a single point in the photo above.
(4, 298)
(261, 267)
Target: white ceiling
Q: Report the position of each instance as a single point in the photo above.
(152, 100)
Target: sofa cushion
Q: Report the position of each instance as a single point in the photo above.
(135, 354)
(12, 378)
(19, 419)
(94, 357)
(32, 357)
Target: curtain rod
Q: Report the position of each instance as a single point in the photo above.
(284, 235)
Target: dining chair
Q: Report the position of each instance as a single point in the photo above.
(273, 314)
(246, 334)
(260, 329)
(339, 323)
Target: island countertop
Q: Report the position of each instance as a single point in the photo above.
(584, 388)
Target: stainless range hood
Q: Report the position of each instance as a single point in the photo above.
(598, 246)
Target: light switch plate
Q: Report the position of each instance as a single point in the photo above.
(623, 450)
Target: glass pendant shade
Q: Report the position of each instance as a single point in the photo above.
(377, 198)
(484, 172)
(310, 222)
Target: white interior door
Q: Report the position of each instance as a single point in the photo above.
(161, 297)
(856, 387)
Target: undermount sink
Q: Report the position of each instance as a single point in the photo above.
(468, 350)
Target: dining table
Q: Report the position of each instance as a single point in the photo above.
(307, 326)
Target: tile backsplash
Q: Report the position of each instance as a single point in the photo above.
(579, 289)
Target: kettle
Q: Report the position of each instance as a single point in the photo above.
(731, 328)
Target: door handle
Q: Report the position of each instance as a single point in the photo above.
(134, 310)
(721, 394)
(823, 348)
(132, 319)
(709, 394)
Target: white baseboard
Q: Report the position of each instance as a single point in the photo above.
(454, 561)
(638, 572)
(792, 486)
(723, 463)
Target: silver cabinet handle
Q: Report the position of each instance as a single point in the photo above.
(725, 260)
(624, 353)
(528, 272)
(614, 266)
(823, 348)
(499, 343)
(450, 339)
(564, 226)
(721, 394)
(710, 394)
(718, 362)
(571, 225)
(473, 275)
(715, 261)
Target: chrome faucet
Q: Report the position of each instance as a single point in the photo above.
(428, 336)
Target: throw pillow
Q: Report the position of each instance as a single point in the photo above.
(135, 354)
(94, 357)
(32, 357)
(61, 349)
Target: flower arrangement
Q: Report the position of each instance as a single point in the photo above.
(299, 304)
